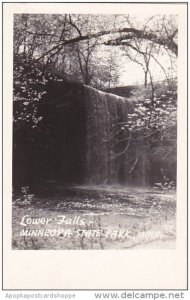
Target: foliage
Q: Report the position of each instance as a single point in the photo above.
(73, 43)
(151, 129)
(28, 90)
(158, 113)
(25, 198)
(167, 186)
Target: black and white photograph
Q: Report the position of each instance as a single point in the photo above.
(95, 99)
(94, 146)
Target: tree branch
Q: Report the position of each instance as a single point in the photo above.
(132, 34)
(169, 43)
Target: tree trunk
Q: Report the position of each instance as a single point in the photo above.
(145, 79)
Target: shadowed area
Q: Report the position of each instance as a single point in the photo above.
(77, 140)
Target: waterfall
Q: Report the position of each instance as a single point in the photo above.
(80, 140)
(104, 115)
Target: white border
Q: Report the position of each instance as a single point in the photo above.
(91, 269)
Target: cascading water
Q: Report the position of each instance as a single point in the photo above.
(104, 115)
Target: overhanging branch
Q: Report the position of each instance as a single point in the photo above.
(131, 34)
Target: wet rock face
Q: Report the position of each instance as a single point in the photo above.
(55, 149)
(77, 140)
